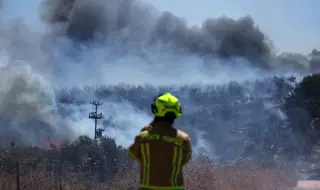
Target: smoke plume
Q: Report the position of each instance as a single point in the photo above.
(135, 50)
(221, 37)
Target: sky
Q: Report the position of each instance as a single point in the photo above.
(293, 25)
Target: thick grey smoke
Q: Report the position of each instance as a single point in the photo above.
(26, 105)
(222, 37)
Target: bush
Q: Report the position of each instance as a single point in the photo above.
(104, 155)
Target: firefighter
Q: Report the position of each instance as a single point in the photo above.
(162, 150)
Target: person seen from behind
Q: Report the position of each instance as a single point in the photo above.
(162, 150)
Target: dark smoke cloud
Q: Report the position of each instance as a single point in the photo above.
(134, 21)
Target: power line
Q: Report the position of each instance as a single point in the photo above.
(94, 115)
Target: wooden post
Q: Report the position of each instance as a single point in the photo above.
(60, 175)
(18, 175)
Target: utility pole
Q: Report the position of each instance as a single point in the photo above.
(94, 115)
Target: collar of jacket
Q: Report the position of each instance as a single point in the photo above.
(161, 124)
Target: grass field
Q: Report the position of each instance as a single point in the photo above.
(204, 175)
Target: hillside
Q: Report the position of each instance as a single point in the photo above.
(262, 139)
(227, 114)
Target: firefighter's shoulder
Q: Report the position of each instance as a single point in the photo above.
(142, 134)
(183, 135)
(146, 128)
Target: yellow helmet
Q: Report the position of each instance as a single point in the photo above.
(166, 103)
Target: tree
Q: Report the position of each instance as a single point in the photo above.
(303, 106)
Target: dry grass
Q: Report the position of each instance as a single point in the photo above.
(204, 175)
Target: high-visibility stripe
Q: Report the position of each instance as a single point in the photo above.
(174, 168)
(148, 163)
(179, 167)
(176, 165)
(145, 152)
(144, 161)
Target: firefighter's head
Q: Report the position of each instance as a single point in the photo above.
(166, 107)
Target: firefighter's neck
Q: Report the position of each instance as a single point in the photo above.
(163, 121)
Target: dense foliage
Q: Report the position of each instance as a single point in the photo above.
(302, 109)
